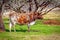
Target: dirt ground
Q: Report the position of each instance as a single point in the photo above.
(43, 37)
(52, 22)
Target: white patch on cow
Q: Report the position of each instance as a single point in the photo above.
(12, 22)
(10, 25)
(32, 23)
(13, 19)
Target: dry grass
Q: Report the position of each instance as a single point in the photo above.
(43, 37)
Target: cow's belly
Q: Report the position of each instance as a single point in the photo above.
(32, 23)
(25, 21)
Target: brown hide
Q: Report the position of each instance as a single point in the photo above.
(52, 22)
(23, 19)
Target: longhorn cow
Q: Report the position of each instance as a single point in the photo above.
(23, 18)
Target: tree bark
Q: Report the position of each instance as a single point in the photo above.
(50, 10)
(36, 4)
(30, 3)
(2, 28)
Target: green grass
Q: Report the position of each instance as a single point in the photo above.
(22, 34)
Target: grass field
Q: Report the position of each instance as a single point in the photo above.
(39, 31)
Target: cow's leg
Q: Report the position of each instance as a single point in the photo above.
(28, 28)
(10, 26)
(31, 23)
(14, 25)
(14, 29)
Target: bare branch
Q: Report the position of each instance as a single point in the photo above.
(18, 9)
(50, 10)
(36, 4)
(45, 5)
(30, 3)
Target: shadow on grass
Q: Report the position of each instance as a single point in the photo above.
(6, 23)
(17, 30)
(23, 30)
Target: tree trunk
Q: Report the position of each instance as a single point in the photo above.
(2, 28)
(36, 4)
(30, 3)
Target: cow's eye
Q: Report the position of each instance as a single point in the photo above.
(35, 14)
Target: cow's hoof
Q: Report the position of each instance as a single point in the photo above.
(14, 31)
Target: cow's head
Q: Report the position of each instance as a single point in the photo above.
(38, 15)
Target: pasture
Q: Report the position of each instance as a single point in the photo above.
(38, 31)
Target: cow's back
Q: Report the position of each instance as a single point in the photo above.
(22, 18)
(25, 18)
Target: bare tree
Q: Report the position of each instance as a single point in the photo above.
(40, 7)
(2, 28)
(46, 7)
(30, 4)
(16, 5)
